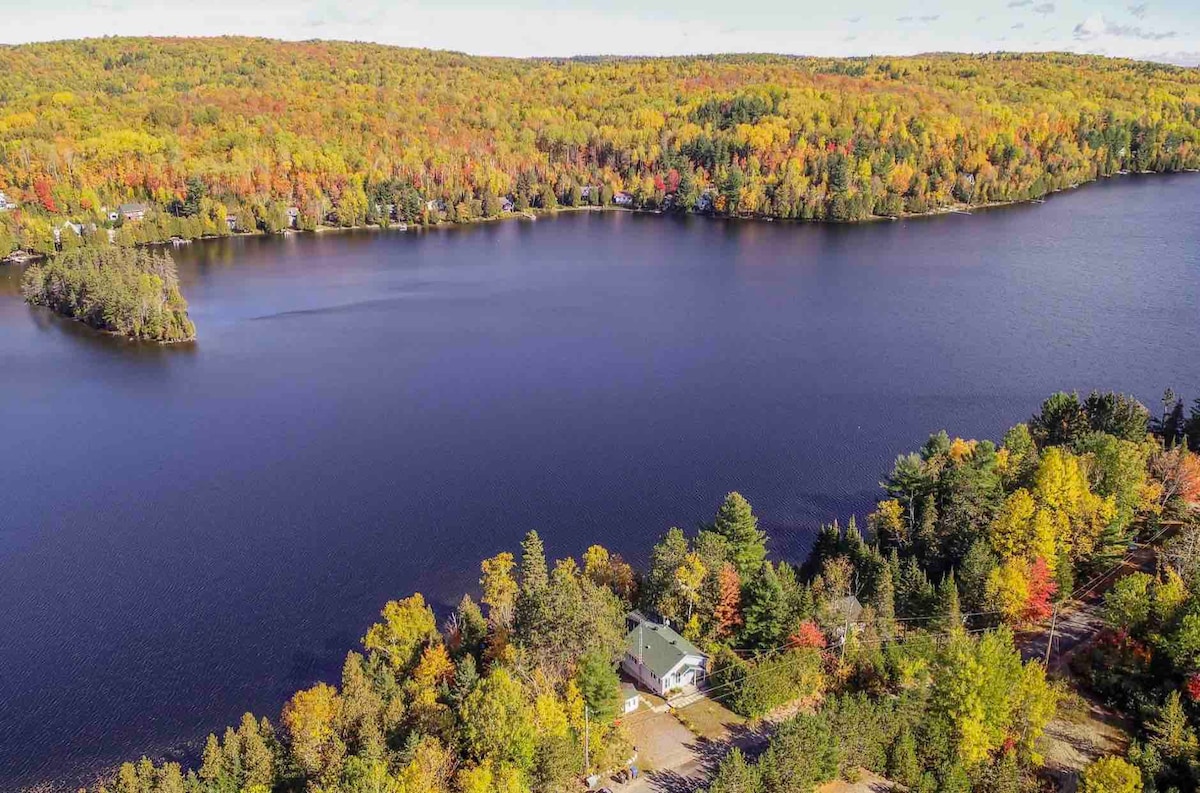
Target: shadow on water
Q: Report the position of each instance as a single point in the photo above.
(108, 344)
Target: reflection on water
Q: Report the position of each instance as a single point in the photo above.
(191, 531)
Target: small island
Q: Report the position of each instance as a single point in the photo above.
(128, 291)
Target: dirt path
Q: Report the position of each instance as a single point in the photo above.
(1084, 728)
(1080, 621)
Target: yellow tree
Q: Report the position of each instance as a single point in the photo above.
(499, 588)
(1078, 514)
(407, 626)
(596, 564)
(310, 718)
(689, 577)
(1008, 590)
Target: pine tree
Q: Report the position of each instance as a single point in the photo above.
(827, 545)
(735, 775)
(659, 593)
(1171, 733)
(737, 523)
(466, 677)
(534, 573)
(948, 604)
(903, 766)
(926, 539)
(763, 613)
(973, 573)
(884, 602)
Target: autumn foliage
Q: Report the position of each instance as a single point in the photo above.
(807, 634)
(198, 127)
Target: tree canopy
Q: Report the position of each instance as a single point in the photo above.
(351, 133)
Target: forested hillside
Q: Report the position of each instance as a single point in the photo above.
(229, 133)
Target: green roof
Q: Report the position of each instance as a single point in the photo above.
(661, 648)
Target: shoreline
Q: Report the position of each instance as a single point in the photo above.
(24, 257)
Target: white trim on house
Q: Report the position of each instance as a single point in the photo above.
(687, 671)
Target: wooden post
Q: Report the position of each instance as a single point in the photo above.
(1050, 640)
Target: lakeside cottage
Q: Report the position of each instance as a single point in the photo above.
(136, 211)
(5, 204)
(67, 225)
(658, 657)
(623, 199)
(506, 204)
(293, 216)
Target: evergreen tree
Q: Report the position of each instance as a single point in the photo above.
(737, 523)
(948, 605)
(735, 775)
(916, 594)
(534, 572)
(599, 685)
(1171, 733)
(884, 602)
(973, 573)
(925, 539)
(466, 677)
(827, 545)
(1061, 422)
(763, 610)
(1191, 428)
(903, 766)
(666, 557)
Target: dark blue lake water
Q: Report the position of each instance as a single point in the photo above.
(187, 533)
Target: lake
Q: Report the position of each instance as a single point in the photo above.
(190, 532)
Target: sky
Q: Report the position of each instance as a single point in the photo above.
(1161, 30)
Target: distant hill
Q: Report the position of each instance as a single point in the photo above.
(203, 128)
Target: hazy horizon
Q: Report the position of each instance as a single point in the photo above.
(1165, 31)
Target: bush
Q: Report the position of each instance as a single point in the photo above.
(1110, 775)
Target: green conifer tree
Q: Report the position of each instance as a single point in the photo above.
(737, 523)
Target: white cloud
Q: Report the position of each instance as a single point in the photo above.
(1096, 27)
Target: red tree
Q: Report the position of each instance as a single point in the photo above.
(1192, 685)
(807, 634)
(41, 186)
(1042, 587)
(728, 612)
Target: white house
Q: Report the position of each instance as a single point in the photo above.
(5, 204)
(135, 211)
(629, 698)
(623, 199)
(659, 658)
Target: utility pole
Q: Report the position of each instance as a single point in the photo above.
(586, 741)
(1050, 640)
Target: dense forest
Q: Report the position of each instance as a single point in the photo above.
(970, 542)
(228, 134)
(129, 291)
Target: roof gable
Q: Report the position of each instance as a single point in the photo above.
(659, 647)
